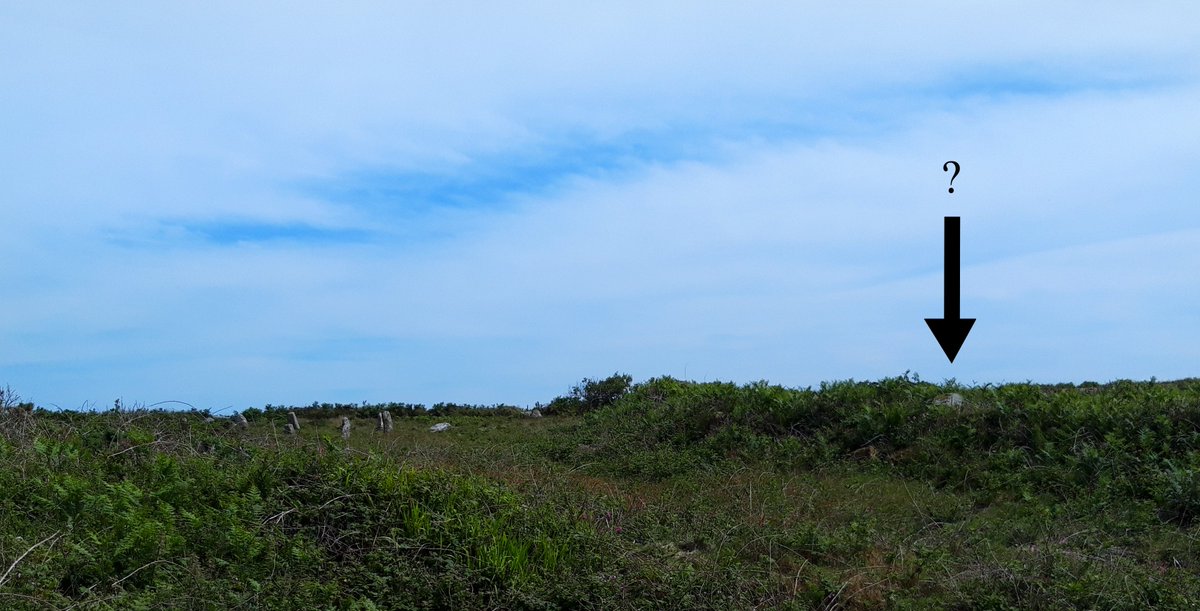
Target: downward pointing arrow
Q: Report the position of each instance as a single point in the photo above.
(951, 331)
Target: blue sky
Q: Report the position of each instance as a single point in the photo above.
(235, 205)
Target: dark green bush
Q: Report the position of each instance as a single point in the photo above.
(590, 395)
(1125, 438)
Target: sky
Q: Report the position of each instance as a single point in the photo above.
(235, 204)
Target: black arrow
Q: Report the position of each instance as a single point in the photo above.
(951, 331)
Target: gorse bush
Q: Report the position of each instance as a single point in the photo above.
(590, 395)
(1133, 440)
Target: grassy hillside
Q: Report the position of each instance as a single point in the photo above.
(897, 494)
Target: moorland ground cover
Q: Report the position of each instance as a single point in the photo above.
(662, 494)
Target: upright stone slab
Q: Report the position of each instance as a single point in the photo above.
(294, 421)
(240, 421)
(953, 400)
(380, 425)
(387, 422)
(345, 427)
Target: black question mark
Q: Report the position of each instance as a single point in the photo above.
(946, 168)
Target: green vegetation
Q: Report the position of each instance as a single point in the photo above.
(663, 494)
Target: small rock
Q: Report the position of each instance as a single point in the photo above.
(439, 427)
(536, 413)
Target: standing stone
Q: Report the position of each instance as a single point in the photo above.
(385, 422)
(289, 429)
(240, 421)
(953, 400)
(345, 427)
(294, 421)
